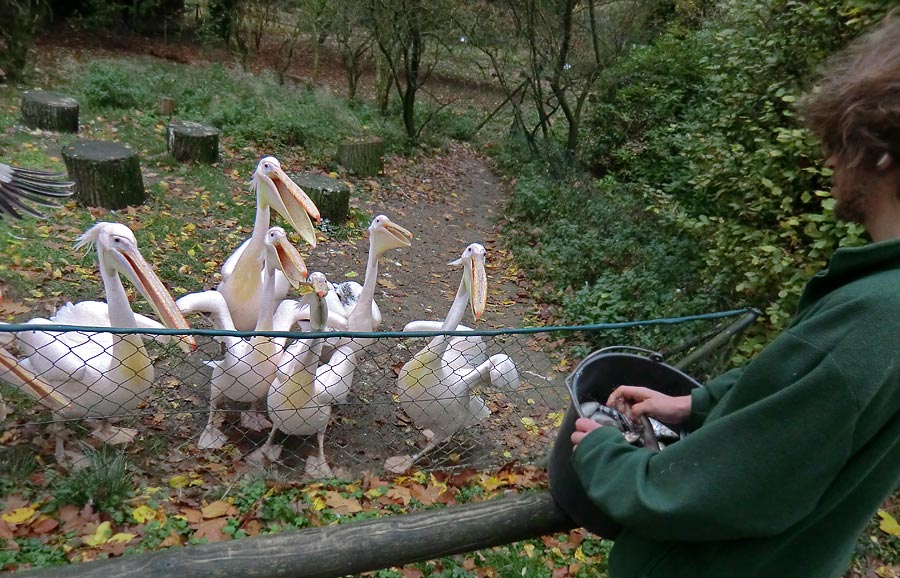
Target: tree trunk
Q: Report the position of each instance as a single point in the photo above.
(334, 551)
(331, 196)
(363, 157)
(49, 111)
(106, 174)
(382, 82)
(192, 141)
(165, 105)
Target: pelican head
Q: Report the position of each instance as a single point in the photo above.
(117, 252)
(314, 294)
(282, 255)
(275, 189)
(474, 277)
(387, 235)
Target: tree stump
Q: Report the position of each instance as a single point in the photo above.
(165, 105)
(106, 174)
(49, 111)
(192, 141)
(362, 156)
(331, 196)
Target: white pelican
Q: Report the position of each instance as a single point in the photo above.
(301, 396)
(242, 273)
(384, 235)
(102, 374)
(249, 365)
(40, 187)
(436, 394)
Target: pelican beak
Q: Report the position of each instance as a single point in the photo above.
(288, 199)
(288, 260)
(478, 286)
(392, 236)
(319, 285)
(135, 267)
(43, 391)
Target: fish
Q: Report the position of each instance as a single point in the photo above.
(634, 432)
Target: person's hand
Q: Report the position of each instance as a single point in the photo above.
(634, 401)
(583, 426)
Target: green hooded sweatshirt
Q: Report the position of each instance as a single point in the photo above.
(791, 454)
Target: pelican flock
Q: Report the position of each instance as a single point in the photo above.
(292, 387)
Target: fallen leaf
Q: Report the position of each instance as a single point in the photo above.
(100, 535)
(218, 509)
(888, 524)
(340, 504)
(211, 530)
(19, 515)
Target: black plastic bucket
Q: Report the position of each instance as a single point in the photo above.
(593, 380)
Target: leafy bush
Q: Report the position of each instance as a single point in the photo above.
(702, 126)
(107, 85)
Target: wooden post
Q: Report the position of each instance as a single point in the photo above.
(362, 156)
(334, 551)
(49, 111)
(331, 196)
(106, 174)
(165, 105)
(192, 141)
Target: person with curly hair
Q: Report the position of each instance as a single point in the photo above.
(789, 456)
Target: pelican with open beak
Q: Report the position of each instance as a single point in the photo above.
(249, 366)
(242, 273)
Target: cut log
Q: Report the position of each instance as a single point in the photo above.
(192, 141)
(362, 156)
(331, 196)
(351, 548)
(106, 174)
(49, 111)
(165, 105)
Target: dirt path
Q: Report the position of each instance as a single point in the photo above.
(447, 201)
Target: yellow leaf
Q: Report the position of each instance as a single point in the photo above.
(579, 555)
(319, 503)
(143, 514)
(490, 483)
(122, 537)
(888, 524)
(101, 536)
(529, 550)
(530, 426)
(178, 482)
(19, 515)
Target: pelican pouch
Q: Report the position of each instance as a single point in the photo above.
(594, 379)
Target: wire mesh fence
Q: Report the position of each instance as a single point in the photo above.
(318, 404)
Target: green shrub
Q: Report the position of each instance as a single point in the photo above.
(108, 85)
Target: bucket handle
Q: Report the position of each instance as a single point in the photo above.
(569, 380)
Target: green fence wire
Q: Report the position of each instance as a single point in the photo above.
(496, 397)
